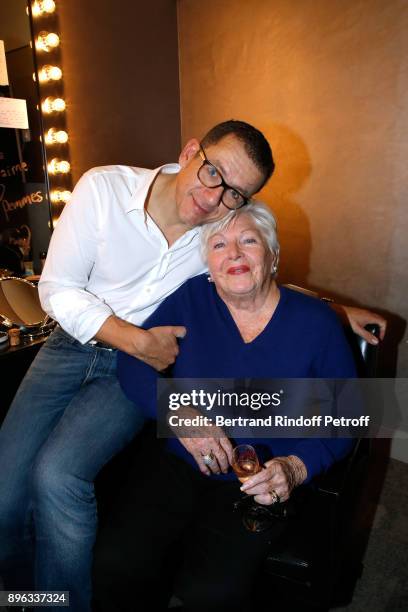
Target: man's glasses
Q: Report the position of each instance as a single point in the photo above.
(210, 176)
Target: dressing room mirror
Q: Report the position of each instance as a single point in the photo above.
(24, 195)
(20, 306)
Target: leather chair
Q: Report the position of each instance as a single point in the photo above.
(304, 567)
(318, 560)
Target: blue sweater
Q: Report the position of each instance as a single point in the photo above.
(303, 339)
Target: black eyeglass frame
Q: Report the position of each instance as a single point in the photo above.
(222, 183)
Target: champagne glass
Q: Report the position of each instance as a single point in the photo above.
(245, 463)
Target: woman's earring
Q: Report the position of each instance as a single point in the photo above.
(210, 280)
(274, 269)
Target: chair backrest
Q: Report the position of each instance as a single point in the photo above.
(366, 354)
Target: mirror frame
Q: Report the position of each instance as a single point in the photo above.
(41, 327)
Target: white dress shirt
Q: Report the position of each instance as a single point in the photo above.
(107, 256)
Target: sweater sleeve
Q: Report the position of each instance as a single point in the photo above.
(335, 360)
(320, 454)
(137, 379)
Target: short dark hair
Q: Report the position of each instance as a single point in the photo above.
(255, 143)
(10, 233)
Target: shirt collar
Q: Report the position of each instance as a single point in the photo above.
(138, 197)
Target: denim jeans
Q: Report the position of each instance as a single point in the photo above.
(68, 419)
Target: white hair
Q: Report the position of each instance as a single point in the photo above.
(261, 216)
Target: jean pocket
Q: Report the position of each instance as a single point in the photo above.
(59, 338)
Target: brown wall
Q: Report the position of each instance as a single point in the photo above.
(120, 62)
(14, 24)
(327, 82)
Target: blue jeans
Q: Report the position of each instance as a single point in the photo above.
(67, 420)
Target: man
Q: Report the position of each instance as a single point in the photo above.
(128, 238)
(11, 255)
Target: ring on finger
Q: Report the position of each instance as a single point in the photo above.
(208, 458)
(275, 496)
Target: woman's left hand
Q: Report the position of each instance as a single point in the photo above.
(276, 481)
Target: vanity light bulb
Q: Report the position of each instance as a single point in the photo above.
(58, 166)
(53, 105)
(43, 6)
(48, 6)
(59, 196)
(54, 136)
(50, 73)
(64, 167)
(61, 137)
(58, 105)
(47, 41)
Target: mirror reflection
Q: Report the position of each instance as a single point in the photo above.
(24, 201)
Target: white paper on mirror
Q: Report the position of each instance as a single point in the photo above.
(13, 113)
(3, 65)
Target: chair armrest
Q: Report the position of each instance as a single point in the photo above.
(342, 476)
(335, 479)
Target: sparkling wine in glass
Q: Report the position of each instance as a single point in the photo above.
(245, 462)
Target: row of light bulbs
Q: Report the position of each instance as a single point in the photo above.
(42, 7)
(46, 42)
(50, 73)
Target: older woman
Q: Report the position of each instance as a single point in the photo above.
(176, 531)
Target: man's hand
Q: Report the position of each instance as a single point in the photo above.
(358, 318)
(156, 346)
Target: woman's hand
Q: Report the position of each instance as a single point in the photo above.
(213, 455)
(208, 444)
(276, 481)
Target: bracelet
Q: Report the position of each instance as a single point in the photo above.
(299, 468)
(295, 470)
